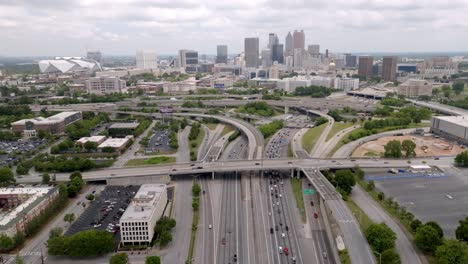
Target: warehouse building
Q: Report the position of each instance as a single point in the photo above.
(139, 219)
(451, 127)
(53, 124)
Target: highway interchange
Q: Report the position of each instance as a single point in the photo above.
(240, 226)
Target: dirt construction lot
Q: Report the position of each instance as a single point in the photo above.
(425, 146)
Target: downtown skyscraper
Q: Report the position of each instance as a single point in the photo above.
(251, 52)
(221, 54)
(289, 48)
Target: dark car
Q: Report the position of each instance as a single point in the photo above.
(271, 230)
(200, 167)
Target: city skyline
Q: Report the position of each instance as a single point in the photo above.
(122, 27)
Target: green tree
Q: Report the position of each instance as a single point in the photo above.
(458, 87)
(370, 186)
(196, 189)
(119, 258)
(345, 180)
(462, 159)
(393, 149)
(75, 174)
(427, 238)
(90, 145)
(55, 232)
(408, 146)
(415, 224)
(90, 197)
(321, 120)
(437, 227)
(390, 256)
(6, 243)
(6, 176)
(152, 260)
(69, 218)
(452, 252)
(45, 178)
(164, 238)
(380, 237)
(461, 233)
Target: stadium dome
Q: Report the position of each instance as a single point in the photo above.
(68, 65)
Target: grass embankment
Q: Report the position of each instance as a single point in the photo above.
(297, 190)
(363, 220)
(346, 139)
(195, 144)
(337, 127)
(290, 152)
(211, 126)
(227, 129)
(344, 257)
(150, 161)
(311, 136)
(195, 218)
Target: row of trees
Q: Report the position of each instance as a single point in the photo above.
(321, 120)
(260, 108)
(122, 258)
(194, 131)
(388, 122)
(83, 127)
(81, 244)
(48, 163)
(163, 230)
(344, 180)
(382, 240)
(394, 148)
(314, 91)
(271, 128)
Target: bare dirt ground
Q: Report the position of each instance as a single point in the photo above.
(425, 146)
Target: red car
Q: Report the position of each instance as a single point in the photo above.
(174, 169)
(223, 241)
(315, 215)
(286, 251)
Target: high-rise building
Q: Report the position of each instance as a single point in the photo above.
(389, 68)
(298, 55)
(272, 40)
(326, 53)
(299, 39)
(351, 60)
(289, 48)
(222, 54)
(188, 58)
(146, 60)
(366, 66)
(313, 50)
(277, 53)
(94, 55)
(266, 58)
(251, 50)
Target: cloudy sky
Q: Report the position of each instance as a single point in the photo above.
(120, 27)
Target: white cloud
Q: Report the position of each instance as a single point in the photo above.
(57, 27)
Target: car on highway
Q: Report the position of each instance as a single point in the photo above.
(315, 215)
(223, 241)
(283, 235)
(234, 258)
(271, 230)
(174, 169)
(311, 203)
(210, 226)
(257, 163)
(293, 259)
(286, 251)
(280, 249)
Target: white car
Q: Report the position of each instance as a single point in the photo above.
(283, 235)
(277, 203)
(210, 226)
(280, 195)
(449, 196)
(280, 250)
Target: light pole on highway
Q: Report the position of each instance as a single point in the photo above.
(380, 257)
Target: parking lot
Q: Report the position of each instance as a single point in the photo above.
(22, 147)
(104, 212)
(440, 199)
(159, 142)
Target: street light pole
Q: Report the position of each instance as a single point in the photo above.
(380, 257)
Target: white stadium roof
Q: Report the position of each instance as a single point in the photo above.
(68, 64)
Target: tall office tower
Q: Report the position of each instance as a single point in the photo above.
(266, 58)
(299, 39)
(289, 48)
(222, 54)
(313, 50)
(350, 60)
(251, 51)
(272, 40)
(94, 55)
(298, 56)
(146, 60)
(326, 53)
(188, 58)
(389, 68)
(366, 66)
(277, 53)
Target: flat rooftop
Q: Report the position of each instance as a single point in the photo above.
(115, 142)
(144, 203)
(49, 120)
(458, 120)
(125, 125)
(36, 195)
(92, 139)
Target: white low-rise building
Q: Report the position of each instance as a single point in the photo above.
(181, 87)
(105, 85)
(96, 139)
(346, 83)
(139, 219)
(290, 84)
(415, 88)
(118, 144)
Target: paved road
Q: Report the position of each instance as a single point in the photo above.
(319, 146)
(346, 150)
(375, 212)
(296, 145)
(447, 109)
(278, 145)
(183, 152)
(330, 144)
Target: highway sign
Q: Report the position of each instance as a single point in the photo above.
(309, 191)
